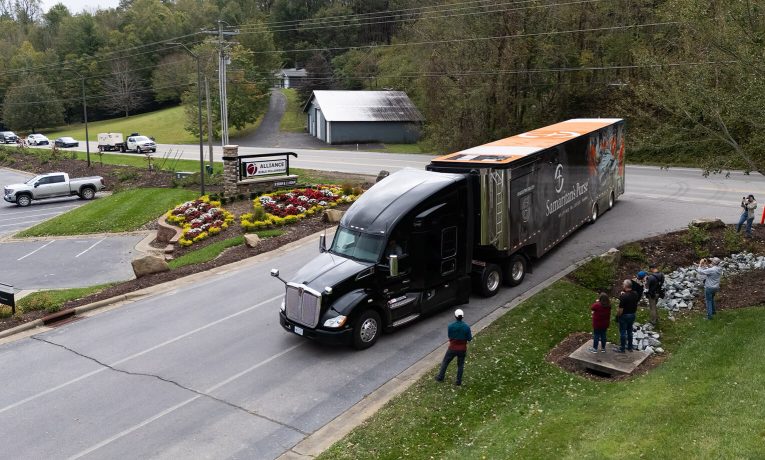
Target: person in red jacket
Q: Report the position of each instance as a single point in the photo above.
(601, 318)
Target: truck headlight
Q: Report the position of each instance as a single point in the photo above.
(337, 321)
(282, 308)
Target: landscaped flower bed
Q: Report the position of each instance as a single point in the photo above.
(283, 208)
(199, 219)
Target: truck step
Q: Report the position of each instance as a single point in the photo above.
(405, 320)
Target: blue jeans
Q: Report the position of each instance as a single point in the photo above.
(709, 296)
(625, 330)
(448, 357)
(749, 222)
(599, 335)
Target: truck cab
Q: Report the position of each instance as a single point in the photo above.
(401, 251)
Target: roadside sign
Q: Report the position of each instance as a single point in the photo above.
(263, 167)
(7, 296)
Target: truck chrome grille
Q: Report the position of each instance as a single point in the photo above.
(302, 304)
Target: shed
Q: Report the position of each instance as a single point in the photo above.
(290, 78)
(355, 117)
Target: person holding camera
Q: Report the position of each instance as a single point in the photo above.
(748, 204)
(712, 273)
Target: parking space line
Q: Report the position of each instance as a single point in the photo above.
(41, 247)
(47, 208)
(53, 213)
(91, 247)
(20, 223)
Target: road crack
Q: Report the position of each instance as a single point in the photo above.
(173, 382)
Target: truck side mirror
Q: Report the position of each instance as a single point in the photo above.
(36, 184)
(275, 272)
(322, 243)
(393, 265)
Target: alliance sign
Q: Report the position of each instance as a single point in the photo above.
(255, 168)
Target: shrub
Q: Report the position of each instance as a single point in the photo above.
(732, 240)
(597, 275)
(39, 301)
(697, 238)
(5, 311)
(633, 251)
(125, 175)
(347, 189)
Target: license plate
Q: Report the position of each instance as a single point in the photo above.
(298, 330)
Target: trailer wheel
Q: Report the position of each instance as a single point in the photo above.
(490, 281)
(366, 329)
(23, 200)
(611, 199)
(594, 213)
(514, 270)
(87, 193)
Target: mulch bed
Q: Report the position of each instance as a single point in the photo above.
(671, 252)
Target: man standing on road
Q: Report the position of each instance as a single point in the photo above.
(747, 215)
(459, 336)
(712, 273)
(654, 284)
(625, 315)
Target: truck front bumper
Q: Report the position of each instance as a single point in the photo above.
(9, 198)
(341, 337)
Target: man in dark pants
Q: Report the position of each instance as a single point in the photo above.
(654, 285)
(459, 336)
(625, 315)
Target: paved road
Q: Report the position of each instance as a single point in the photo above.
(206, 371)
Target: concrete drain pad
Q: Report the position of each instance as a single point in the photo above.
(610, 362)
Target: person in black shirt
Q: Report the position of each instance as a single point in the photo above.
(654, 287)
(625, 315)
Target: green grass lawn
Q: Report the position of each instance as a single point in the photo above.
(121, 212)
(294, 119)
(52, 301)
(165, 126)
(212, 251)
(706, 401)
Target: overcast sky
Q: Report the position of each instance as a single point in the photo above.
(76, 6)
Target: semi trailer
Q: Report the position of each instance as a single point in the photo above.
(420, 241)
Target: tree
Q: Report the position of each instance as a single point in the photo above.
(172, 76)
(123, 90)
(32, 104)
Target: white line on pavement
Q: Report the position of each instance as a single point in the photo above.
(91, 247)
(54, 213)
(20, 223)
(41, 247)
(136, 355)
(169, 410)
(16, 213)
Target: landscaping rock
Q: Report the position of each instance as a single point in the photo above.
(708, 223)
(612, 256)
(332, 216)
(148, 265)
(251, 240)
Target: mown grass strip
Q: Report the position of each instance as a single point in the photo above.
(294, 119)
(52, 301)
(212, 251)
(121, 212)
(705, 401)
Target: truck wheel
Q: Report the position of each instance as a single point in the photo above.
(100, 148)
(366, 330)
(122, 148)
(611, 199)
(87, 193)
(138, 150)
(490, 281)
(514, 270)
(594, 213)
(23, 200)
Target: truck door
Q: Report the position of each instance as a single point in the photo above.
(402, 302)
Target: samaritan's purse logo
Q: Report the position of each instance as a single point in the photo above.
(559, 178)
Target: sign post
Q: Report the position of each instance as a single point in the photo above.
(7, 296)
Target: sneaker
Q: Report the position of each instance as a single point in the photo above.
(438, 380)
(618, 350)
(630, 350)
(593, 350)
(603, 350)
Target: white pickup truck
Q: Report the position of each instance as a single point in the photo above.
(108, 142)
(52, 185)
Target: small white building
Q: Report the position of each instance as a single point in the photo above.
(356, 117)
(290, 78)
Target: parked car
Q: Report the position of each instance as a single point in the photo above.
(37, 139)
(8, 137)
(52, 185)
(66, 142)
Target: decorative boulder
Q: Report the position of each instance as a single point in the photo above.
(708, 223)
(251, 240)
(148, 265)
(332, 216)
(612, 256)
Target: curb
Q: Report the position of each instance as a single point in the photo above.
(323, 438)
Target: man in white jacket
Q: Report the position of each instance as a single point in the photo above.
(748, 205)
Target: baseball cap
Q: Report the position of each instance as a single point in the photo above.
(641, 274)
(459, 313)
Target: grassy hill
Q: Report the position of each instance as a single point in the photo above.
(165, 125)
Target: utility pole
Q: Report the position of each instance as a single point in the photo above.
(209, 121)
(222, 58)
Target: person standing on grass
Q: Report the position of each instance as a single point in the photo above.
(459, 336)
(712, 273)
(654, 285)
(625, 315)
(601, 319)
(748, 204)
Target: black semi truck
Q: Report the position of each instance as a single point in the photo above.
(420, 241)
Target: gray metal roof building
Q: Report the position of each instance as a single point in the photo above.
(350, 117)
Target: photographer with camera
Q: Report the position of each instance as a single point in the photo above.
(712, 273)
(748, 204)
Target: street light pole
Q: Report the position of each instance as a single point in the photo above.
(85, 115)
(199, 112)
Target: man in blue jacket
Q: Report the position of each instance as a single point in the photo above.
(459, 336)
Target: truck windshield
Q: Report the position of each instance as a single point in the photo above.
(142, 139)
(357, 245)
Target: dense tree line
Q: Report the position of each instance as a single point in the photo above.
(684, 73)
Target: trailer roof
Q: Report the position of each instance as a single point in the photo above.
(513, 148)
